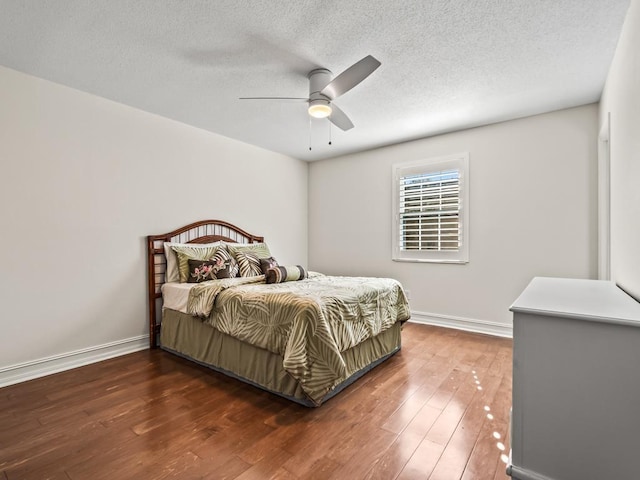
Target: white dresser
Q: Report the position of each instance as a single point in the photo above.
(576, 382)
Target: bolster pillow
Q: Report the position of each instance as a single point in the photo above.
(285, 274)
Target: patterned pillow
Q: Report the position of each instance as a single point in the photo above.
(223, 255)
(259, 249)
(285, 274)
(202, 270)
(192, 252)
(267, 263)
(249, 266)
(247, 246)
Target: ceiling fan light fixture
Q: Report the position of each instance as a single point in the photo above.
(319, 108)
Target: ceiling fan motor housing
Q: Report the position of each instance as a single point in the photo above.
(318, 79)
(319, 104)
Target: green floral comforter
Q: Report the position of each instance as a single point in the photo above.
(309, 322)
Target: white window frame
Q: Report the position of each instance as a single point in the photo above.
(458, 162)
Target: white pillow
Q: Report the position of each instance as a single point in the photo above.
(172, 273)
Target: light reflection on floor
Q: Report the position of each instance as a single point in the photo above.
(496, 435)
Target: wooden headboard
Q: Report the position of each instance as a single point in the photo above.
(204, 231)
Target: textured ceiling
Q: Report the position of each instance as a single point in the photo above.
(446, 65)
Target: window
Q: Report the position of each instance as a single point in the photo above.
(431, 214)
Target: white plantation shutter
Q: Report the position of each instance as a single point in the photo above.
(430, 213)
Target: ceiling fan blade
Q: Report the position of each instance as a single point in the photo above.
(340, 119)
(295, 99)
(351, 77)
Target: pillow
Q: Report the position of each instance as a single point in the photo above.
(202, 270)
(248, 256)
(249, 264)
(259, 249)
(223, 255)
(267, 263)
(171, 273)
(285, 274)
(189, 252)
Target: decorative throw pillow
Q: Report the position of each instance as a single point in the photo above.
(285, 274)
(202, 270)
(267, 263)
(249, 264)
(223, 255)
(188, 252)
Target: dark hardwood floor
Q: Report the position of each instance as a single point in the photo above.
(439, 409)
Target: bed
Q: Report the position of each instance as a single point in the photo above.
(304, 336)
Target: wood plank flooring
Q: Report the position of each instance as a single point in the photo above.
(439, 409)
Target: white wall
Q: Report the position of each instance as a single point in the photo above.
(621, 98)
(84, 180)
(533, 213)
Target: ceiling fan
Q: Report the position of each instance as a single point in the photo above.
(323, 90)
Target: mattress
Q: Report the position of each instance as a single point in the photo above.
(175, 295)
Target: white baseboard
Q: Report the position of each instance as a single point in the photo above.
(460, 323)
(66, 361)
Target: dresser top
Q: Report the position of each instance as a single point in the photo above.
(591, 300)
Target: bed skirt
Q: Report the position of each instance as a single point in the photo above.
(191, 338)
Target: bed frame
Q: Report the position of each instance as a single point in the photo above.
(205, 231)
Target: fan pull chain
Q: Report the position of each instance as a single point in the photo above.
(309, 133)
(329, 132)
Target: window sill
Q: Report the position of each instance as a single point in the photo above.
(424, 260)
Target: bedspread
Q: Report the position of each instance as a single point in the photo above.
(309, 322)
